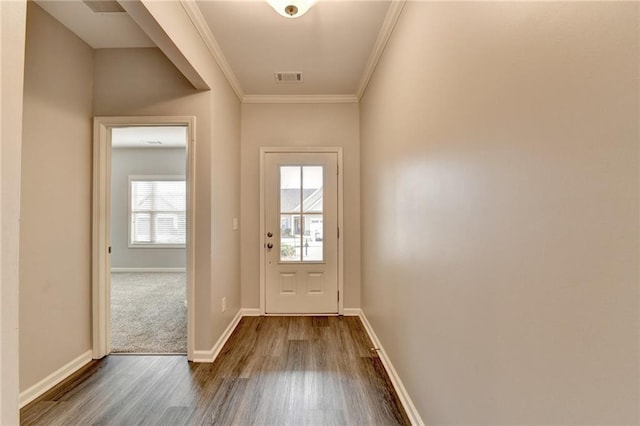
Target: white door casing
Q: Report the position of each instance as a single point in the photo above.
(101, 208)
(300, 218)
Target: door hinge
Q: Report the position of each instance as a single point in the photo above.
(337, 170)
(338, 232)
(338, 296)
(109, 250)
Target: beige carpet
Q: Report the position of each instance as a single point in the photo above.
(148, 312)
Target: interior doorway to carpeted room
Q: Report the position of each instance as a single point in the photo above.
(148, 240)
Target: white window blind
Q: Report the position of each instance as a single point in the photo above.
(158, 211)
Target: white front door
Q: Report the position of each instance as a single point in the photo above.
(301, 233)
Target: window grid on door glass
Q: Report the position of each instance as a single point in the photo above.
(157, 213)
(301, 213)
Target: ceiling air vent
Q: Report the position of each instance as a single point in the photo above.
(104, 6)
(288, 77)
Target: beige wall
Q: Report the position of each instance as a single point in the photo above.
(225, 203)
(144, 82)
(12, 40)
(500, 210)
(299, 125)
(55, 228)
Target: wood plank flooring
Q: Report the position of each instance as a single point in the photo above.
(272, 371)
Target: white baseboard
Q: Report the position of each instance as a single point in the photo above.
(148, 269)
(54, 378)
(255, 312)
(212, 354)
(409, 408)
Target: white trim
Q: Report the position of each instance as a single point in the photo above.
(311, 314)
(263, 268)
(405, 399)
(101, 261)
(352, 312)
(250, 312)
(395, 9)
(155, 246)
(148, 269)
(200, 23)
(212, 354)
(299, 99)
(203, 356)
(263, 281)
(101, 312)
(340, 234)
(54, 378)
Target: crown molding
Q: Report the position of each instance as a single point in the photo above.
(199, 22)
(395, 9)
(299, 99)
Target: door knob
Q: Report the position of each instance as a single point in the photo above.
(269, 246)
(269, 234)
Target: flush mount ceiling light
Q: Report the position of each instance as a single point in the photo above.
(291, 8)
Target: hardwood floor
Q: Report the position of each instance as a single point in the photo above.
(273, 370)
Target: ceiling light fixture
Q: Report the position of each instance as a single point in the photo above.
(291, 8)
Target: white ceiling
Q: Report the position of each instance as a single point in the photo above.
(149, 137)
(332, 44)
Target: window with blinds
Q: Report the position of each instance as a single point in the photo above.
(157, 213)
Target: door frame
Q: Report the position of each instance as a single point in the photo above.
(263, 244)
(101, 224)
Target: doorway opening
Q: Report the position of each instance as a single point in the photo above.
(148, 239)
(143, 235)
